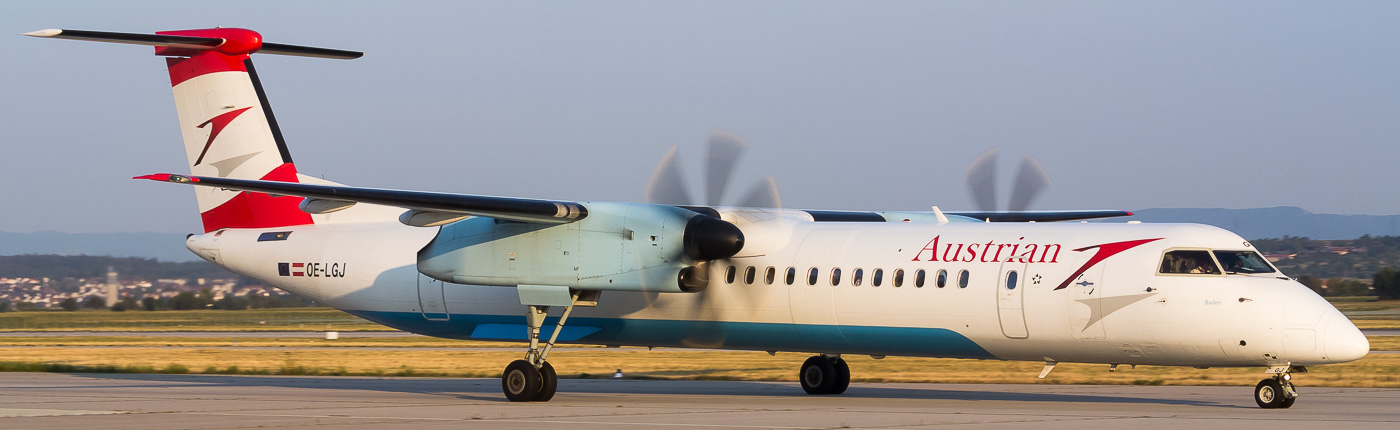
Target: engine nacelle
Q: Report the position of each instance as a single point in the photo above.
(618, 247)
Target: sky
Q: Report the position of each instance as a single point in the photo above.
(848, 105)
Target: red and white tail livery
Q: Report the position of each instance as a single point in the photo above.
(230, 132)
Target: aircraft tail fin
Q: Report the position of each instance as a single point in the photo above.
(228, 127)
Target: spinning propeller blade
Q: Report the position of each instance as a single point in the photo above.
(1031, 180)
(982, 181)
(667, 187)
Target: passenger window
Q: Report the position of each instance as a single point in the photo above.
(791, 276)
(729, 275)
(836, 276)
(748, 275)
(1189, 262)
(855, 277)
(1011, 280)
(769, 275)
(919, 279)
(1243, 262)
(962, 279)
(876, 277)
(942, 279)
(898, 277)
(812, 276)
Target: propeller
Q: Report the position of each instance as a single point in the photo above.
(724, 148)
(723, 151)
(1031, 180)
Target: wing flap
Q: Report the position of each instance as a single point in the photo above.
(446, 205)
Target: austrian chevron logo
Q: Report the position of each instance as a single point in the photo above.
(219, 123)
(1104, 251)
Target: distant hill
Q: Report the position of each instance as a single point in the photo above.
(160, 246)
(1278, 222)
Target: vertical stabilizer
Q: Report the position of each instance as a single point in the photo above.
(227, 125)
(230, 132)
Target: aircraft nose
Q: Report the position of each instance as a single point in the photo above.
(1343, 342)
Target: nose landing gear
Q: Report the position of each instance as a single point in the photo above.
(1277, 392)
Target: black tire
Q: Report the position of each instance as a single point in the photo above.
(1288, 401)
(817, 375)
(1269, 394)
(521, 381)
(549, 382)
(843, 376)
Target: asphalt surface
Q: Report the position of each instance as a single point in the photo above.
(108, 401)
(318, 334)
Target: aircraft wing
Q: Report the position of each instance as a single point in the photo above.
(515, 209)
(1042, 216)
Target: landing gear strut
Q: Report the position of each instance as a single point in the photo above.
(533, 379)
(1277, 392)
(825, 374)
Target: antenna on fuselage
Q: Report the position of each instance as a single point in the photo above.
(938, 213)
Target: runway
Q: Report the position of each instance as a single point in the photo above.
(48, 400)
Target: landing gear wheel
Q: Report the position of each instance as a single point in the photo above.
(843, 376)
(1288, 401)
(818, 375)
(1269, 394)
(549, 381)
(521, 381)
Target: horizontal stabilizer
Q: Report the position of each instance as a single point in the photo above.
(508, 208)
(234, 41)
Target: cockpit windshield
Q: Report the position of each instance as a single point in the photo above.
(1189, 262)
(1243, 262)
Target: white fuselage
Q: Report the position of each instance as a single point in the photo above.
(1118, 310)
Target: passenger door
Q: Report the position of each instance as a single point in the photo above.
(1010, 290)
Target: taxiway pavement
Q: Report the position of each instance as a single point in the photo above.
(115, 401)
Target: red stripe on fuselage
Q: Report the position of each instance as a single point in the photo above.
(259, 210)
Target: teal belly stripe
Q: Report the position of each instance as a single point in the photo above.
(872, 340)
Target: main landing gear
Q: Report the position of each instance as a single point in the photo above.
(1277, 392)
(533, 379)
(825, 374)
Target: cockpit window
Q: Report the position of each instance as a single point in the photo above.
(1189, 262)
(1243, 262)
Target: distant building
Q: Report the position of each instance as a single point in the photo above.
(113, 288)
(1274, 258)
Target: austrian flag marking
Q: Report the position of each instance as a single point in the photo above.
(291, 269)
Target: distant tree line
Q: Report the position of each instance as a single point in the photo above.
(86, 266)
(1387, 284)
(1358, 259)
(182, 301)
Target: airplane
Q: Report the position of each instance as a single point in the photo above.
(980, 285)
